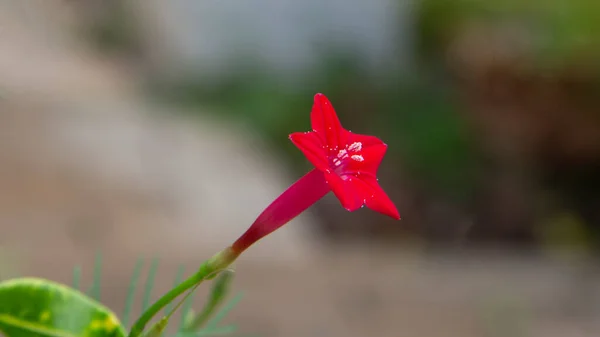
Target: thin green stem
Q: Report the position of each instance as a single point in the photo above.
(207, 270)
(178, 278)
(218, 293)
(167, 298)
(186, 308)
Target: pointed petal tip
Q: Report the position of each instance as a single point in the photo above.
(351, 208)
(389, 210)
(294, 137)
(392, 213)
(321, 99)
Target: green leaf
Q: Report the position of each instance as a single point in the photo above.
(157, 328)
(137, 270)
(217, 294)
(220, 315)
(35, 307)
(149, 284)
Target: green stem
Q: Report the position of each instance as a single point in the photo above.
(207, 271)
(217, 294)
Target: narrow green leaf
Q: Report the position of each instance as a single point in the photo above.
(222, 313)
(94, 291)
(188, 318)
(77, 277)
(149, 284)
(217, 294)
(185, 311)
(224, 330)
(32, 307)
(137, 270)
(157, 329)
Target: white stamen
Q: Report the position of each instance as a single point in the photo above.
(357, 157)
(355, 147)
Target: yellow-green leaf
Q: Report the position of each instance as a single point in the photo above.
(35, 307)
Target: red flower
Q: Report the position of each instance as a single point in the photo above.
(348, 160)
(345, 163)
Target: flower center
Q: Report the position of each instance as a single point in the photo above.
(338, 160)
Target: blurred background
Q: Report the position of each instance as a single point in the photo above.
(154, 128)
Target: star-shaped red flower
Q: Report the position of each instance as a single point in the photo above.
(345, 163)
(348, 160)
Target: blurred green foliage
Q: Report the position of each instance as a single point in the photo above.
(417, 119)
(416, 111)
(39, 307)
(111, 27)
(561, 31)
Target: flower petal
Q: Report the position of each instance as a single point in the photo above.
(365, 140)
(313, 148)
(367, 162)
(344, 191)
(326, 124)
(377, 199)
(291, 203)
(355, 192)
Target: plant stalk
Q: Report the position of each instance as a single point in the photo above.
(208, 270)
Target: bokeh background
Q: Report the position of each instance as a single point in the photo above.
(155, 128)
